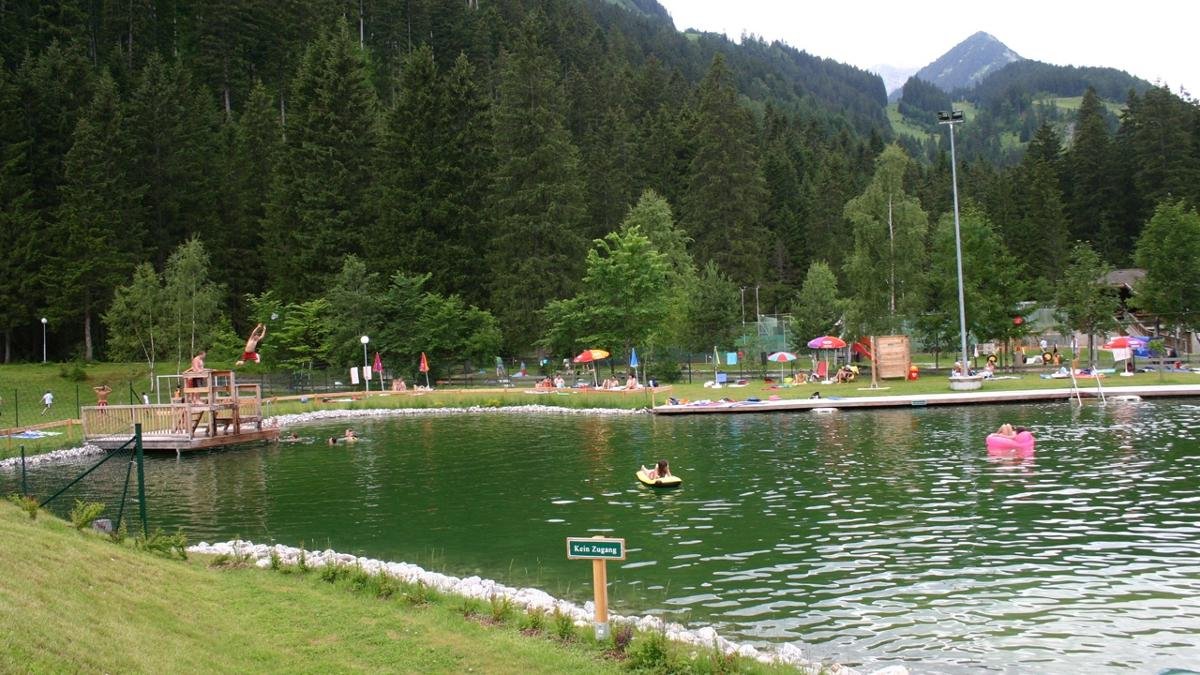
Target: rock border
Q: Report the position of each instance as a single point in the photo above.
(526, 598)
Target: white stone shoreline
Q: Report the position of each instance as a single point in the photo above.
(525, 598)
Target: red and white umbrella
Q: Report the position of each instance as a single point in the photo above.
(1124, 342)
(781, 357)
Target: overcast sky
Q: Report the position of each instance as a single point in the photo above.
(1152, 40)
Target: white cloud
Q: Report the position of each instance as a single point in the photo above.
(1153, 41)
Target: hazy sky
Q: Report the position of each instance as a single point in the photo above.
(1152, 40)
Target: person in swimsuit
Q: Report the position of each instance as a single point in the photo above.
(662, 470)
(251, 351)
(102, 393)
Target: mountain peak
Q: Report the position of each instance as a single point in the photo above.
(968, 62)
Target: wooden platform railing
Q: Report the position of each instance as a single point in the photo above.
(119, 419)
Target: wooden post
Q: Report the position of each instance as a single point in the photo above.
(599, 550)
(600, 593)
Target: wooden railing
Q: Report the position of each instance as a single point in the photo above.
(117, 420)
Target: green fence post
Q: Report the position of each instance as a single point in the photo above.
(24, 485)
(78, 410)
(137, 444)
(16, 409)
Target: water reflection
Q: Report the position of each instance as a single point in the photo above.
(868, 537)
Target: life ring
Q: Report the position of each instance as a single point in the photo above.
(1022, 442)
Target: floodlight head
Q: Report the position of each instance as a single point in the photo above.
(949, 117)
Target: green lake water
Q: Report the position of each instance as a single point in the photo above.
(864, 537)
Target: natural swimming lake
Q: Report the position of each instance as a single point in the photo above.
(874, 537)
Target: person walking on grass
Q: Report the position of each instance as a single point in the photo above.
(47, 401)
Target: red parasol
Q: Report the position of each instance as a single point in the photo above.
(378, 366)
(424, 368)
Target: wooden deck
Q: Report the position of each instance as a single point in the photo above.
(212, 410)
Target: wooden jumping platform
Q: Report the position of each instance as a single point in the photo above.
(209, 410)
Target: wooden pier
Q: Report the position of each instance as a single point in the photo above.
(210, 410)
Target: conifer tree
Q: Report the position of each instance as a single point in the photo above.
(19, 221)
(537, 200)
(1089, 171)
(725, 188)
(319, 209)
(172, 124)
(100, 228)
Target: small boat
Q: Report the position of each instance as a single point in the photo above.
(665, 482)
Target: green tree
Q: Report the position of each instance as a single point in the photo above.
(193, 301)
(137, 320)
(622, 301)
(1083, 302)
(537, 197)
(19, 221)
(713, 312)
(1089, 167)
(1169, 251)
(353, 301)
(1043, 231)
(888, 259)
(319, 209)
(99, 230)
(817, 308)
(171, 124)
(725, 188)
(991, 286)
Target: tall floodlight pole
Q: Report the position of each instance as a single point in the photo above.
(366, 366)
(43, 339)
(743, 308)
(950, 119)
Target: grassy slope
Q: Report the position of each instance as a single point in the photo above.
(74, 601)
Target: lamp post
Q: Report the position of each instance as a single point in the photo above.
(950, 119)
(43, 339)
(743, 309)
(366, 366)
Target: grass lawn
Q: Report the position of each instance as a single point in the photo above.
(74, 601)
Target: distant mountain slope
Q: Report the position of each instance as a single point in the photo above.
(968, 62)
(1028, 77)
(645, 7)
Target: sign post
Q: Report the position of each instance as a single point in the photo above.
(599, 550)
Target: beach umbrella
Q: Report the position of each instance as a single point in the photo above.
(1124, 342)
(827, 342)
(781, 357)
(591, 356)
(424, 368)
(633, 360)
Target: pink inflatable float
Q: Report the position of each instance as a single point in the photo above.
(1022, 442)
